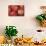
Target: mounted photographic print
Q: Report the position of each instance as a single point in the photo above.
(15, 10)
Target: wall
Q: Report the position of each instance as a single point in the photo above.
(26, 25)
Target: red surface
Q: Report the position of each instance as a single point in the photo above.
(16, 10)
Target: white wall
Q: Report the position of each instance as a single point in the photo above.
(26, 25)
